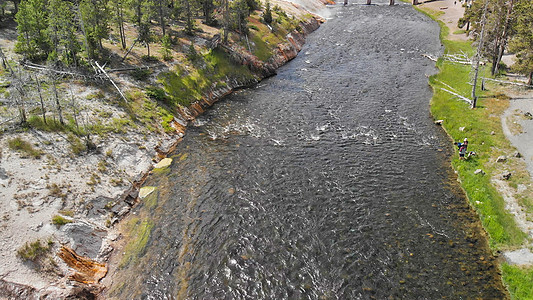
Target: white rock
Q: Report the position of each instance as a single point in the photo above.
(165, 162)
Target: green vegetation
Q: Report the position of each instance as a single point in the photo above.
(139, 233)
(519, 281)
(483, 128)
(60, 220)
(35, 250)
(23, 147)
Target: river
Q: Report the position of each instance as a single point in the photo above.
(327, 181)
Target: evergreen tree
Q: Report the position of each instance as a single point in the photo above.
(522, 42)
(268, 13)
(95, 16)
(32, 39)
(62, 32)
(117, 11)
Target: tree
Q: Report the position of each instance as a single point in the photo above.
(207, 9)
(145, 35)
(32, 40)
(522, 41)
(94, 15)
(117, 8)
(62, 31)
(268, 13)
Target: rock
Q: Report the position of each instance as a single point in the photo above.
(129, 196)
(146, 190)
(439, 122)
(165, 162)
(528, 115)
(517, 154)
(479, 171)
(84, 238)
(492, 133)
(506, 175)
(501, 158)
(461, 128)
(97, 206)
(123, 211)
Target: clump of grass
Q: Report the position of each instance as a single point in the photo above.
(59, 220)
(102, 166)
(35, 250)
(519, 281)
(140, 74)
(23, 147)
(68, 213)
(76, 145)
(55, 191)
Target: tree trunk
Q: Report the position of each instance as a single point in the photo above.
(58, 105)
(161, 17)
(505, 33)
(415, 2)
(368, 2)
(41, 98)
(148, 47)
(530, 81)
(391, 2)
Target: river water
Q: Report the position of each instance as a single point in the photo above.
(327, 181)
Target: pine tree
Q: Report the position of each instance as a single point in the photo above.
(32, 40)
(522, 41)
(268, 13)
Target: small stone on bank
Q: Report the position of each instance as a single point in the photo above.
(479, 171)
(506, 175)
(492, 133)
(517, 154)
(145, 191)
(165, 162)
(461, 128)
(501, 158)
(439, 122)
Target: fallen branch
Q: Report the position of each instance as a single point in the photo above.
(459, 96)
(508, 82)
(118, 89)
(430, 57)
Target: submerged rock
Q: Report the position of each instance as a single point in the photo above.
(165, 162)
(146, 190)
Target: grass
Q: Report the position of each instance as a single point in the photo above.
(23, 147)
(60, 220)
(479, 123)
(35, 250)
(519, 281)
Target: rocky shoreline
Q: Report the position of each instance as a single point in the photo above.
(90, 228)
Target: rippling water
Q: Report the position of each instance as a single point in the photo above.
(327, 181)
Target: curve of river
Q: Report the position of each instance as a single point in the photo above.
(327, 181)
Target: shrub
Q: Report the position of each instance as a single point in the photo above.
(34, 251)
(24, 147)
(60, 220)
(140, 74)
(156, 93)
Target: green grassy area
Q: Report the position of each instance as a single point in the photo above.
(519, 281)
(482, 126)
(23, 147)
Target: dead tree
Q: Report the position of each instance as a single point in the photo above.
(477, 57)
(41, 98)
(391, 2)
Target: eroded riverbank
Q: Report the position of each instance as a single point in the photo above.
(328, 180)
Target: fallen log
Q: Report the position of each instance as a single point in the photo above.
(87, 270)
(459, 96)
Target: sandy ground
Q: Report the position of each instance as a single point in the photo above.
(452, 11)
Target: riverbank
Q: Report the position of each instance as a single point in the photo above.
(496, 180)
(61, 190)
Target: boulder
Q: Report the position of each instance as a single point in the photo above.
(479, 171)
(165, 162)
(84, 238)
(502, 158)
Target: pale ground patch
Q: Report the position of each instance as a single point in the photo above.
(452, 10)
